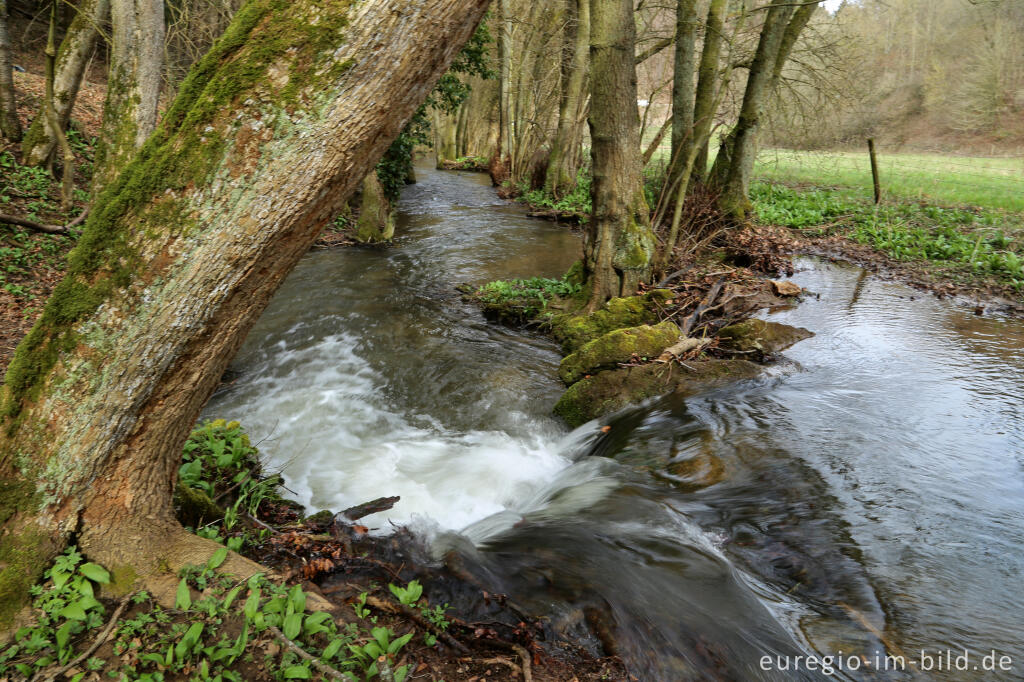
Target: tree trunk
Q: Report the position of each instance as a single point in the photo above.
(10, 126)
(267, 138)
(707, 75)
(133, 85)
(561, 173)
(682, 87)
(618, 243)
(735, 159)
(375, 224)
(72, 59)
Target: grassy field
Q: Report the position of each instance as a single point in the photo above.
(996, 183)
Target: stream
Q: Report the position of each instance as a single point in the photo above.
(864, 497)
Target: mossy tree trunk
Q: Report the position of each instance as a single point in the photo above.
(561, 173)
(737, 151)
(618, 243)
(705, 100)
(10, 126)
(133, 85)
(682, 87)
(268, 136)
(375, 224)
(72, 59)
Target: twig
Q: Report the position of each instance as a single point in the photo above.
(46, 677)
(524, 655)
(305, 655)
(416, 617)
(32, 225)
(252, 518)
(704, 305)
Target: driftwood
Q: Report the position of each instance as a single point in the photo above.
(706, 303)
(372, 507)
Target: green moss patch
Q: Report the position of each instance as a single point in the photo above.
(620, 346)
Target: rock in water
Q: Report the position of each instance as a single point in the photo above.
(762, 337)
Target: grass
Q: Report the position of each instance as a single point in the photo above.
(978, 242)
(994, 183)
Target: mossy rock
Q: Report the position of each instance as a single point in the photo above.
(573, 331)
(616, 347)
(324, 517)
(612, 390)
(759, 336)
(195, 508)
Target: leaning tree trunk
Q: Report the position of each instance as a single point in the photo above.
(682, 87)
(705, 102)
(10, 126)
(561, 173)
(72, 60)
(133, 85)
(735, 162)
(618, 243)
(267, 138)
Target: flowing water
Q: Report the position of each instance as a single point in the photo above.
(865, 497)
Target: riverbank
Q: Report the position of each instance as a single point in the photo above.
(337, 601)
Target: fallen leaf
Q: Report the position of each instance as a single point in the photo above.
(605, 429)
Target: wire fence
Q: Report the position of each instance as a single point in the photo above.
(986, 182)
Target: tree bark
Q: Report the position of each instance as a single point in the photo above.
(72, 60)
(375, 224)
(133, 85)
(618, 243)
(682, 86)
(267, 138)
(705, 101)
(561, 173)
(10, 126)
(735, 159)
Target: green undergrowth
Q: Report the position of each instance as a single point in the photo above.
(32, 193)
(576, 202)
(219, 629)
(978, 242)
(220, 481)
(521, 300)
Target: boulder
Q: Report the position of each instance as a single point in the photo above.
(573, 331)
(783, 287)
(612, 390)
(615, 347)
(761, 337)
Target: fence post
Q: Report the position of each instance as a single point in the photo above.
(874, 170)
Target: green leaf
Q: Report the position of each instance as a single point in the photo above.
(59, 578)
(401, 672)
(399, 643)
(64, 634)
(183, 600)
(332, 649)
(252, 604)
(218, 558)
(230, 598)
(188, 641)
(297, 672)
(297, 598)
(95, 572)
(292, 625)
(72, 611)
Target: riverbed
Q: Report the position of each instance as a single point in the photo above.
(864, 498)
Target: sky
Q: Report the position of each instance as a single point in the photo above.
(832, 4)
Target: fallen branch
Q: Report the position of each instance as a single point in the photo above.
(372, 507)
(43, 227)
(416, 617)
(306, 656)
(104, 636)
(32, 225)
(704, 305)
